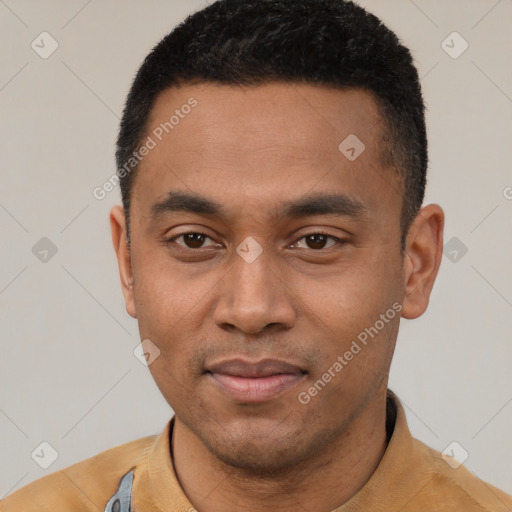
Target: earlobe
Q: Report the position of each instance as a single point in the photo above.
(424, 249)
(119, 240)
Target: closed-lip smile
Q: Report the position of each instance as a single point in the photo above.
(253, 382)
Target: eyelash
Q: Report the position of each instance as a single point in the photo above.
(170, 241)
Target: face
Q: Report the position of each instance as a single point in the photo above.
(260, 253)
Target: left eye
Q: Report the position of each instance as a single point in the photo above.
(318, 241)
(191, 240)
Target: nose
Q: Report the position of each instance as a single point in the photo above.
(254, 296)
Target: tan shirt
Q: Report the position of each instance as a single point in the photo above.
(411, 477)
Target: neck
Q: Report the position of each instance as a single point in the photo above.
(323, 482)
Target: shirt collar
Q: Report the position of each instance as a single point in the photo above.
(402, 472)
(156, 486)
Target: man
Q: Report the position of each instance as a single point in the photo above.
(272, 160)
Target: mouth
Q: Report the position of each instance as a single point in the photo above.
(256, 382)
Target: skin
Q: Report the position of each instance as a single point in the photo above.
(250, 149)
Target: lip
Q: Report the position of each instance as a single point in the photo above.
(253, 382)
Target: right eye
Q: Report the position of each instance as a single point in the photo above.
(190, 240)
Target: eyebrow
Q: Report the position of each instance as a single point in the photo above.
(315, 204)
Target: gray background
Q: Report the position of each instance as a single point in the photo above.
(68, 375)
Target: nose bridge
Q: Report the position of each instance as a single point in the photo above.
(252, 279)
(253, 295)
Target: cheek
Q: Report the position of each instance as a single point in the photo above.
(356, 313)
(171, 379)
(354, 366)
(353, 295)
(165, 293)
(161, 314)
(172, 304)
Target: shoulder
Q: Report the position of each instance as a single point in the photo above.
(86, 485)
(454, 487)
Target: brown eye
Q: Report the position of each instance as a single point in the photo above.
(191, 240)
(318, 241)
(194, 240)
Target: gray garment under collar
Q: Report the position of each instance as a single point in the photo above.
(121, 501)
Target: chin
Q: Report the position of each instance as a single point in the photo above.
(261, 461)
(265, 453)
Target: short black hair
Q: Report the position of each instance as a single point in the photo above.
(323, 42)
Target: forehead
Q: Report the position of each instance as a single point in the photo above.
(306, 117)
(263, 142)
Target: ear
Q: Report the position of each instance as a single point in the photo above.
(120, 241)
(423, 253)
